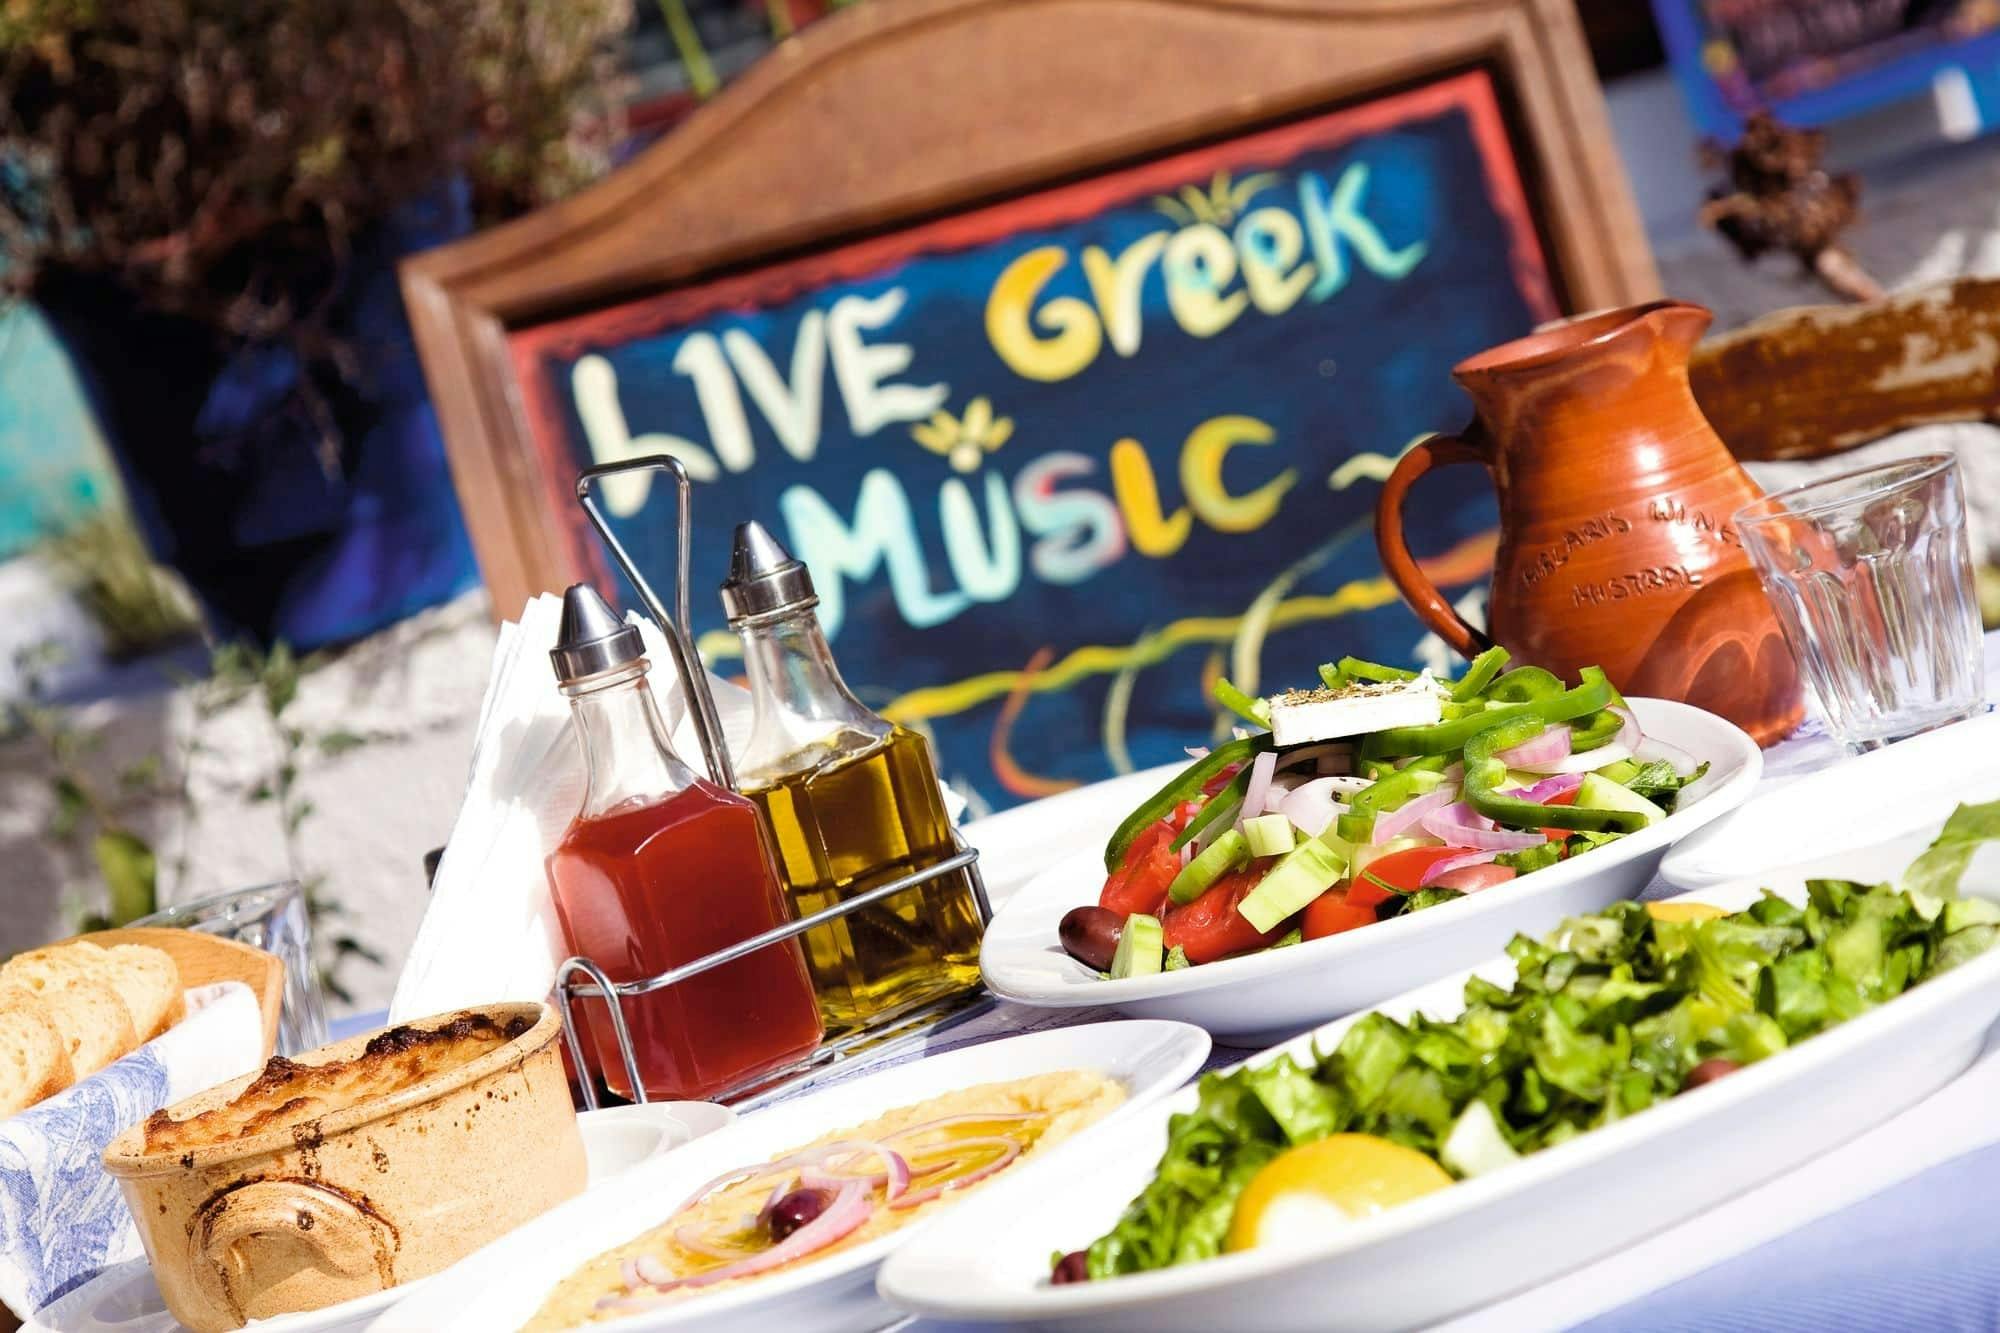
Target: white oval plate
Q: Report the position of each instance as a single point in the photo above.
(504, 1284)
(125, 1299)
(1273, 994)
(1484, 1238)
(1850, 803)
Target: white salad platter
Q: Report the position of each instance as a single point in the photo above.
(1847, 804)
(1264, 996)
(503, 1285)
(1509, 1229)
(125, 1298)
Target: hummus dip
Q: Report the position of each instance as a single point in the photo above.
(943, 1139)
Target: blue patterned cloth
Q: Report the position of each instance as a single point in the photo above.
(61, 1217)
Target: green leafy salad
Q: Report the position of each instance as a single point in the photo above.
(1608, 1014)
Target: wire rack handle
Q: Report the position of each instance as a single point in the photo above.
(678, 627)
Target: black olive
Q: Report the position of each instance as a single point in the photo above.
(1090, 935)
(795, 1209)
(1072, 1267)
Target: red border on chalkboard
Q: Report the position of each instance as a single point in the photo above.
(1471, 92)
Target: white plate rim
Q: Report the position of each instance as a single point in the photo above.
(1838, 789)
(1576, 1157)
(1160, 1083)
(1075, 992)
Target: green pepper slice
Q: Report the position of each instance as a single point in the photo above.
(1479, 673)
(1336, 674)
(1592, 696)
(1246, 706)
(1220, 807)
(1389, 792)
(1484, 773)
(1596, 730)
(1526, 684)
(1185, 786)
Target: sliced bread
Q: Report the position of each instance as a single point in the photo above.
(34, 1057)
(38, 968)
(93, 1021)
(150, 984)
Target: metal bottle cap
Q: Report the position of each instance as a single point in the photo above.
(764, 578)
(592, 637)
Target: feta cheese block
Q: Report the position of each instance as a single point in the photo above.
(1300, 717)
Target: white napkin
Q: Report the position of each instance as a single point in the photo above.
(490, 933)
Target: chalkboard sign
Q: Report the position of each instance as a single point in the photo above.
(1058, 460)
(1813, 61)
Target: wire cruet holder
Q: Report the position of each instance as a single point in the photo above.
(580, 978)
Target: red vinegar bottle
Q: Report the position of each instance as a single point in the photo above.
(659, 868)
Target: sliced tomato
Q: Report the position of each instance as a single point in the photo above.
(1141, 884)
(1210, 927)
(1471, 879)
(1333, 912)
(1223, 777)
(1563, 798)
(1402, 871)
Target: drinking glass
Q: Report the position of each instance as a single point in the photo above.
(1871, 576)
(271, 917)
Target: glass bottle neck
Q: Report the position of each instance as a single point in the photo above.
(803, 713)
(626, 753)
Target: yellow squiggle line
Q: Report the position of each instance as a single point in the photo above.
(1099, 659)
(1373, 466)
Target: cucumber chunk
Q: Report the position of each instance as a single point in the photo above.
(1601, 793)
(1269, 835)
(1307, 871)
(1225, 854)
(1140, 948)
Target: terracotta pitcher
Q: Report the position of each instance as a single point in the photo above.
(1616, 547)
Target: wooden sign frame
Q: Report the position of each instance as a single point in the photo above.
(898, 111)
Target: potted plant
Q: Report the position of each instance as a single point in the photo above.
(207, 198)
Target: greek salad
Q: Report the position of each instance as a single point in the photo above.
(1378, 793)
(1608, 1015)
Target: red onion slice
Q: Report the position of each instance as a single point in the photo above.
(1460, 826)
(1588, 761)
(1683, 762)
(1261, 769)
(1283, 785)
(848, 1211)
(1187, 852)
(1392, 822)
(1338, 752)
(1548, 748)
(965, 1118)
(1009, 1151)
(1311, 806)
(1629, 735)
(898, 1170)
(691, 1239)
(1549, 788)
(1446, 864)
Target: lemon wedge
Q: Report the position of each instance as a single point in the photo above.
(1683, 911)
(1305, 1190)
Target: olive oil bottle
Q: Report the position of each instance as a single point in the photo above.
(852, 802)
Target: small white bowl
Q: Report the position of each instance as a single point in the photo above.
(618, 1138)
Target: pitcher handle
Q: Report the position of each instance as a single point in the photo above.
(1432, 451)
